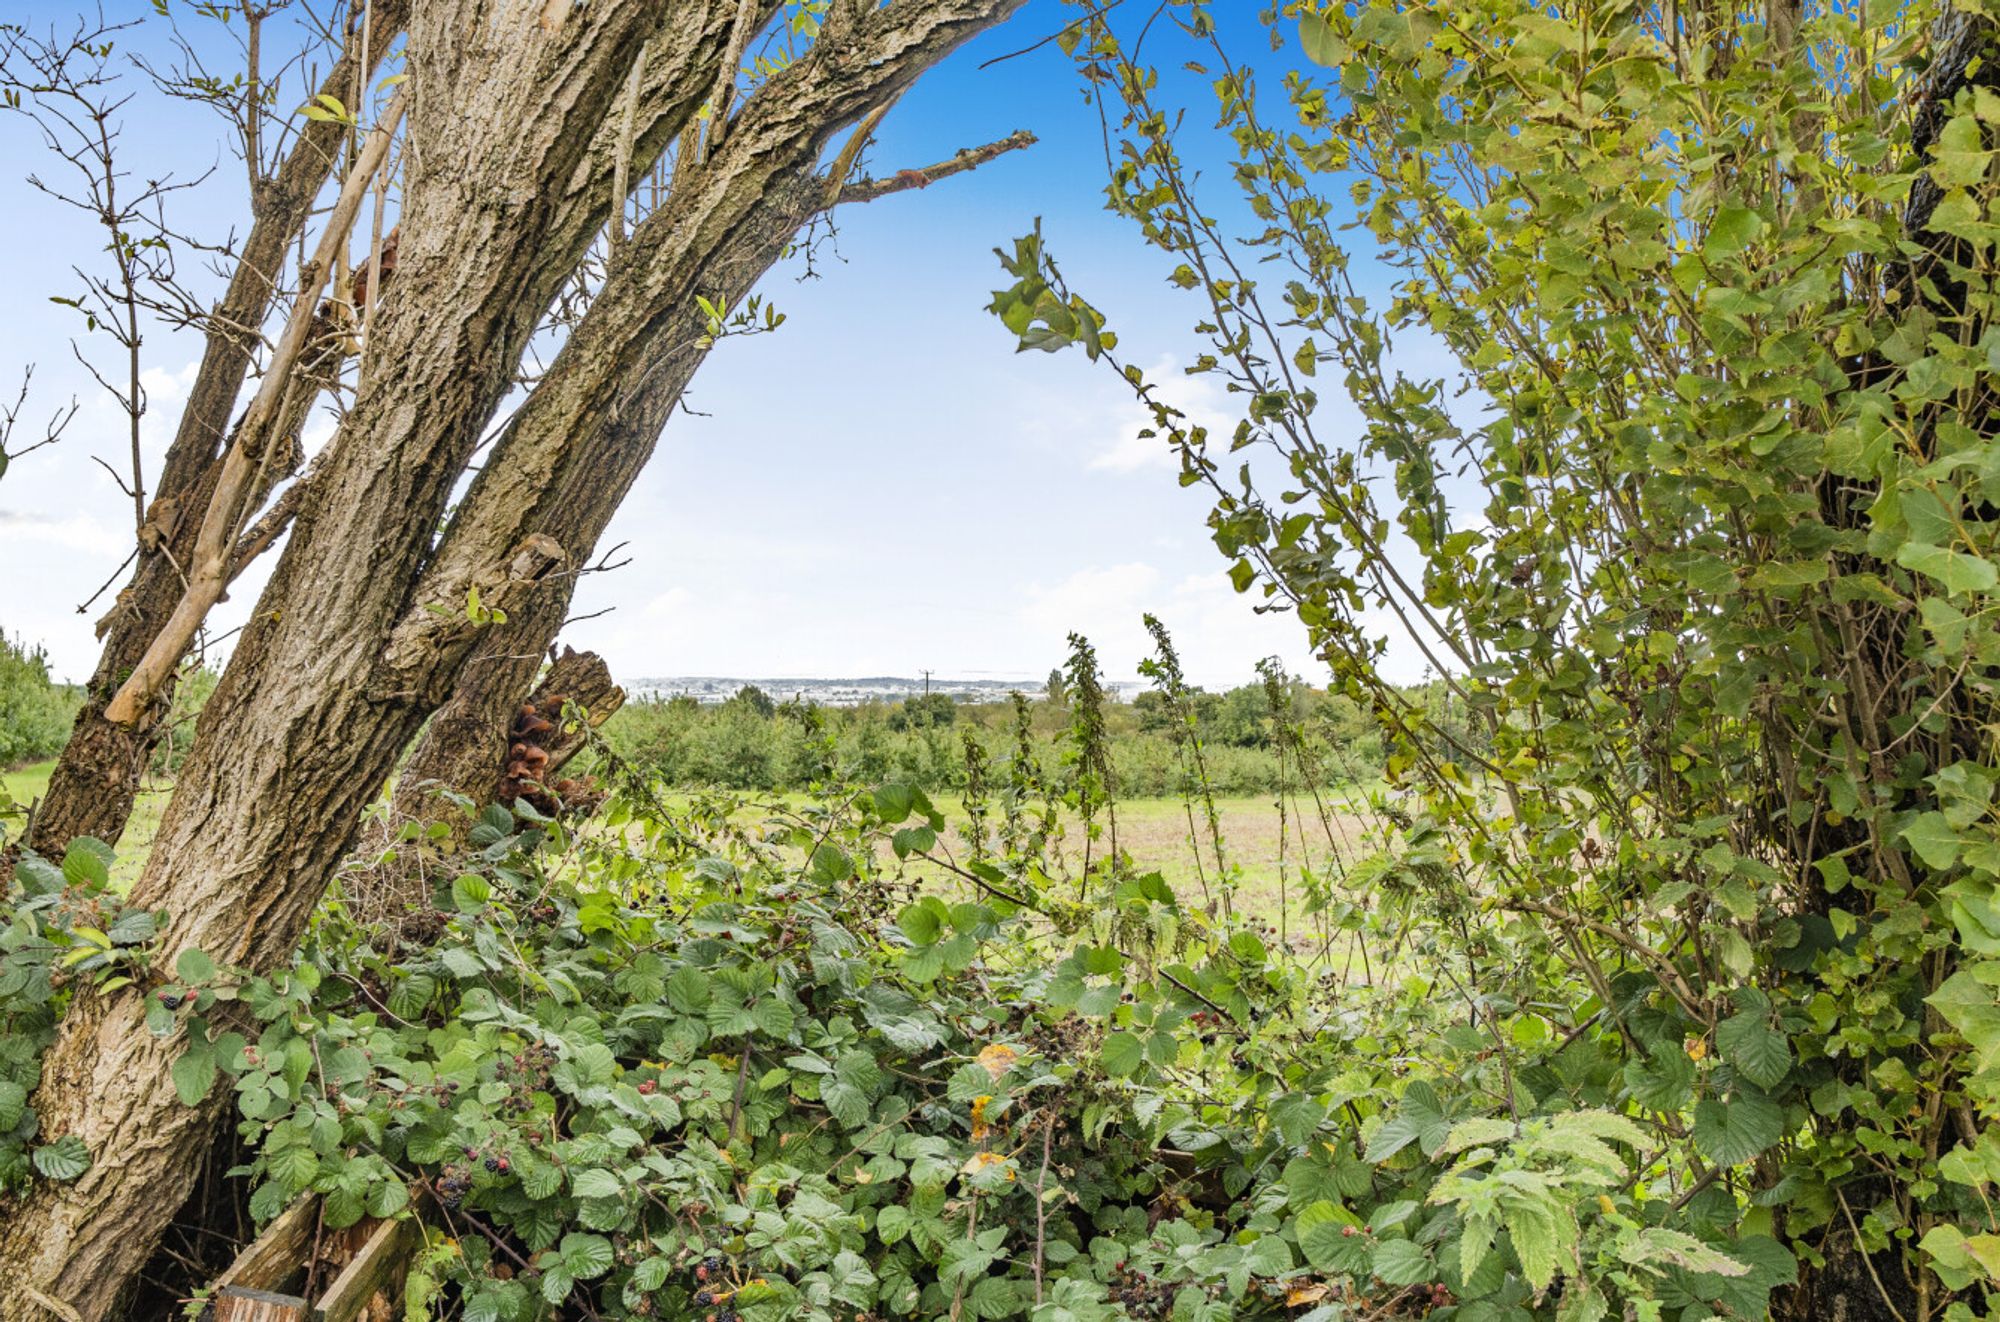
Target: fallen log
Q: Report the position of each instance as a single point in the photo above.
(371, 1258)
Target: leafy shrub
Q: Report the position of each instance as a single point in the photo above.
(35, 711)
(815, 1070)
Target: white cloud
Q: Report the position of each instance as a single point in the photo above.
(1219, 634)
(669, 604)
(73, 532)
(1204, 399)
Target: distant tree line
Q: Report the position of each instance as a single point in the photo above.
(35, 710)
(754, 741)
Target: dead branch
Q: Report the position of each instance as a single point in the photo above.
(210, 576)
(970, 158)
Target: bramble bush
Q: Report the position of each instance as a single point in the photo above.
(815, 1068)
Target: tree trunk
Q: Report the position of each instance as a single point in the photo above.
(92, 787)
(362, 630)
(462, 757)
(587, 440)
(97, 777)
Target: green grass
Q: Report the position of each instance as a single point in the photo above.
(31, 782)
(1265, 855)
(1267, 863)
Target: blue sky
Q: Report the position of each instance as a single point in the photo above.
(880, 487)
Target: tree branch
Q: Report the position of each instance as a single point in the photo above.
(210, 575)
(969, 158)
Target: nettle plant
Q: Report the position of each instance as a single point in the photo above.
(1696, 503)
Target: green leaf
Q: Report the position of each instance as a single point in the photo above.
(1328, 1238)
(1664, 1081)
(1656, 1244)
(923, 922)
(1934, 840)
(1732, 229)
(386, 1198)
(194, 967)
(894, 802)
(596, 1182)
(193, 1074)
(1418, 1118)
(1123, 1054)
(1296, 1117)
(1955, 570)
(87, 863)
(134, 927)
(1731, 1133)
(586, 1257)
(1532, 1227)
(1759, 1052)
(1970, 1005)
(1960, 156)
(470, 891)
(687, 990)
(1400, 1262)
(1270, 1255)
(62, 1160)
(1322, 44)
(292, 1166)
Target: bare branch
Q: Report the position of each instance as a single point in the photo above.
(970, 158)
(219, 527)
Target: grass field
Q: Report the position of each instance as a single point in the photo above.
(29, 783)
(1265, 852)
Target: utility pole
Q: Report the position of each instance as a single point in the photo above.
(927, 682)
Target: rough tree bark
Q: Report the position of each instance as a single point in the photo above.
(576, 448)
(92, 787)
(342, 659)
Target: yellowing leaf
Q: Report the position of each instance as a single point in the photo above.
(981, 1161)
(997, 1059)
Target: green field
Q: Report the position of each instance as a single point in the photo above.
(30, 782)
(1267, 862)
(1267, 854)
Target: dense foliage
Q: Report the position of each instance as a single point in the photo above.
(1696, 491)
(1666, 990)
(35, 710)
(812, 1067)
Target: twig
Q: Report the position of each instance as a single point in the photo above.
(1041, 1213)
(867, 190)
